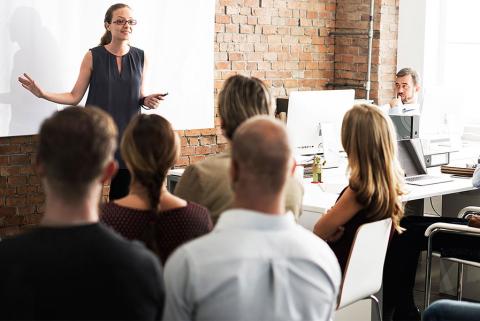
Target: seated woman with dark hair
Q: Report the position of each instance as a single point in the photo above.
(149, 212)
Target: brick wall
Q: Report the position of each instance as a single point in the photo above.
(351, 52)
(286, 43)
(21, 196)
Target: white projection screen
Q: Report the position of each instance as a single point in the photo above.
(47, 39)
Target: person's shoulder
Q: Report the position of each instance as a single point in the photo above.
(311, 243)
(97, 49)
(195, 250)
(208, 167)
(218, 162)
(199, 213)
(137, 51)
(111, 210)
(18, 246)
(125, 250)
(294, 185)
(313, 248)
(196, 208)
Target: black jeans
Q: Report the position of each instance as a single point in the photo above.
(120, 184)
(403, 253)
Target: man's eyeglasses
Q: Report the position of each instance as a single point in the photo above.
(122, 22)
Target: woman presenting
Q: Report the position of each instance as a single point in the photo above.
(115, 72)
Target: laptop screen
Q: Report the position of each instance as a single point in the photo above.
(410, 155)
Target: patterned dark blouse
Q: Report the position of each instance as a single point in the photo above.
(162, 232)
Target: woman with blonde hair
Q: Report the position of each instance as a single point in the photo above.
(375, 182)
(150, 212)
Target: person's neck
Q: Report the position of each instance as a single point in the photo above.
(140, 193)
(266, 204)
(138, 198)
(59, 212)
(118, 48)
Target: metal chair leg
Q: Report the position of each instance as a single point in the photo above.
(460, 282)
(428, 272)
(379, 309)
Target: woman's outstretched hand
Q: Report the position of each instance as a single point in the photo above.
(30, 85)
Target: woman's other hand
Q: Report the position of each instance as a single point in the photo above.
(153, 101)
(30, 85)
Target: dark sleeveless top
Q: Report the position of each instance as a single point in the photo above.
(116, 92)
(342, 247)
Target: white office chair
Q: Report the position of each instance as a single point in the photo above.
(449, 228)
(364, 270)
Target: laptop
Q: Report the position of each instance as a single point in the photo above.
(410, 155)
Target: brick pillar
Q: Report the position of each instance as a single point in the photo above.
(351, 52)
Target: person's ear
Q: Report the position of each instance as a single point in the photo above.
(107, 26)
(293, 165)
(109, 171)
(417, 88)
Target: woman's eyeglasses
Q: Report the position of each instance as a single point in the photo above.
(122, 22)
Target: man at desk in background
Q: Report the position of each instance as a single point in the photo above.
(407, 88)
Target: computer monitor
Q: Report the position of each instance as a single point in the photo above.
(309, 111)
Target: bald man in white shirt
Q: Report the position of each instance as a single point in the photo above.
(257, 263)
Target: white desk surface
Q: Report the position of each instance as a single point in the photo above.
(320, 197)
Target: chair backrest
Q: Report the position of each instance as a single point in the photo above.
(364, 269)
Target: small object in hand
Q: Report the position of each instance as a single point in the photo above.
(474, 221)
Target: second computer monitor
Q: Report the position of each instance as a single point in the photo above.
(315, 117)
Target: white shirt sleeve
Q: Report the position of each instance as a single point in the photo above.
(476, 177)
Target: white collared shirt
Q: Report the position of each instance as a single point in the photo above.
(252, 266)
(402, 110)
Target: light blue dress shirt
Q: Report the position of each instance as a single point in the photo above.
(476, 177)
(252, 266)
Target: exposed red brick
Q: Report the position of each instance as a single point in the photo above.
(284, 42)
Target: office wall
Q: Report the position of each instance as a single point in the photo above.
(351, 52)
(286, 43)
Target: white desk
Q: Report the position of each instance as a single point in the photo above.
(318, 198)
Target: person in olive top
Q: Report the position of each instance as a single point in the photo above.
(114, 72)
(207, 182)
(72, 267)
(149, 212)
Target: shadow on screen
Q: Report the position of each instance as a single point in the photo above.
(38, 55)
